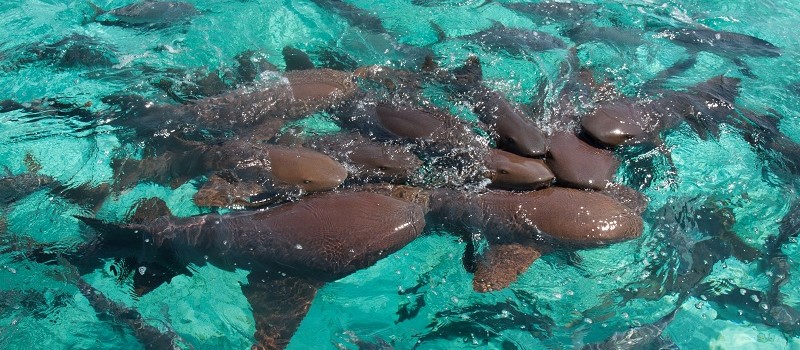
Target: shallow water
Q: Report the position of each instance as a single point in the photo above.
(420, 296)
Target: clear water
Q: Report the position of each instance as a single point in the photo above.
(555, 304)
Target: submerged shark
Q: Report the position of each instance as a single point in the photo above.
(513, 41)
(647, 336)
(697, 235)
(239, 170)
(520, 227)
(291, 250)
(147, 13)
(72, 51)
(730, 45)
(292, 95)
(512, 130)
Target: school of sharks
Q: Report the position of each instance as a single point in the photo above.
(299, 209)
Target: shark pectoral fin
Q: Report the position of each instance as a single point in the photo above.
(220, 192)
(127, 173)
(672, 71)
(148, 209)
(699, 127)
(501, 265)
(469, 260)
(149, 276)
(276, 196)
(146, 275)
(296, 59)
(278, 306)
(441, 35)
(740, 249)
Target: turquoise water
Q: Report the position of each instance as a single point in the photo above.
(560, 302)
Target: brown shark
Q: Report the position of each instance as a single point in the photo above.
(243, 165)
(578, 164)
(445, 142)
(520, 227)
(291, 249)
(292, 95)
(509, 171)
(367, 160)
(703, 106)
(512, 130)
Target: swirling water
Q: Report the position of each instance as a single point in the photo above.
(420, 296)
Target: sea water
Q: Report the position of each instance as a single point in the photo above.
(420, 296)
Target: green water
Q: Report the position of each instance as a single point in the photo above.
(555, 304)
